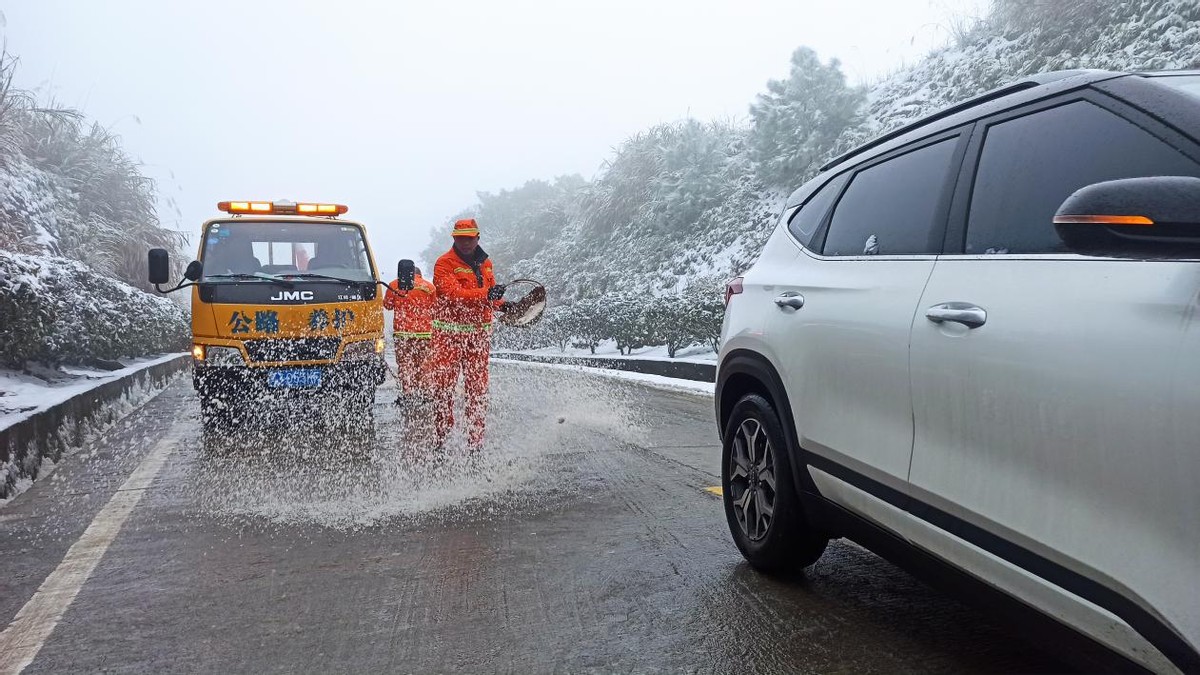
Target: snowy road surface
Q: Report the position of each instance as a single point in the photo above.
(583, 540)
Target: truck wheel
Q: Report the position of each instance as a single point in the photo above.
(762, 505)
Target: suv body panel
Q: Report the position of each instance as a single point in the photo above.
(1065, 532)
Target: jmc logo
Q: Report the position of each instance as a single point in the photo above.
(286, 296)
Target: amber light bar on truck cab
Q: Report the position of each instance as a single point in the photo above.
(283, 208)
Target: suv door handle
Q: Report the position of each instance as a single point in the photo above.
(959, 312)
(790, 299)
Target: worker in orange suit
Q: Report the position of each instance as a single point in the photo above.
(412, 326)
(467, 295)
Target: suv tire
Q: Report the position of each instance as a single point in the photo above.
(762, 505)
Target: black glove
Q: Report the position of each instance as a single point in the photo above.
(496, 292)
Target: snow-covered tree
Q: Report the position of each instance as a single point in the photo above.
(517, 224)
(589, 323)
(555, 327)
(797, 120)
(626, 321)
(704, 300)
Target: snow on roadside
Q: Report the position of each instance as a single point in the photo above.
(75, 433)
(656, 381)
(23, 395)
(608, 350)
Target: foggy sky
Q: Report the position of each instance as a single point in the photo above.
(405, 110)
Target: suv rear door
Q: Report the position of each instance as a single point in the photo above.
(1056, 406)
(845, 351)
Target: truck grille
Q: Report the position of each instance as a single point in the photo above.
(302, 349)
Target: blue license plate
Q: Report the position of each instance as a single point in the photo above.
(294, 378)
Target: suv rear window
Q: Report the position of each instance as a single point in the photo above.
(892, 208)
(1031, 164)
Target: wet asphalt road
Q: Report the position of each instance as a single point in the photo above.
(586, 544)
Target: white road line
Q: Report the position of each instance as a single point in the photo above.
(24, 637)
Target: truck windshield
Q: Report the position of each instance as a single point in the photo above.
(282, 248)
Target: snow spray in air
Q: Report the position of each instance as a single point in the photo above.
(541, 425)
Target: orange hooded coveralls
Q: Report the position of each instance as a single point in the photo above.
(412, 326)
(462, 338)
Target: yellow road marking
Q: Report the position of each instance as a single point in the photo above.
(715, 490)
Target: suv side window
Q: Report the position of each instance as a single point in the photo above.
(1031, 164)
(893, 208)
(805, 223)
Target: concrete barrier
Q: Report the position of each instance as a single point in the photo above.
(684, 370)
(51, 432)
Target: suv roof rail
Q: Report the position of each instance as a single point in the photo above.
(1029, 82)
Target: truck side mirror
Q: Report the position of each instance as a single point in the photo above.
(405, 274)
(159, 266)
(194, 271)
(1133, 217)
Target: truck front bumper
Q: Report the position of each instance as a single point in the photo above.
(240, 381)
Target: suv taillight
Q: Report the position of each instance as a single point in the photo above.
(732, 288)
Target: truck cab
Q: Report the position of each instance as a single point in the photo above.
(285, 305)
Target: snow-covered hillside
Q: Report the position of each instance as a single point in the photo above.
(30, 203)
(690, 204)
(1023, 37)
(76, 219)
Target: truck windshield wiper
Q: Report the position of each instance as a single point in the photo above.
(257, 275)
(323, 277)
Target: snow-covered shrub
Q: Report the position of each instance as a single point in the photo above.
(55, 310)
(26, 314)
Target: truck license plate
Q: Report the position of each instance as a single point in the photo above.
(294, 378)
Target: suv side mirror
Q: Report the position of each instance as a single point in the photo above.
(159, 266)
(1155, 217)
(194, 271)
(404, 274)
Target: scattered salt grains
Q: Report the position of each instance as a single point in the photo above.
(529, 461)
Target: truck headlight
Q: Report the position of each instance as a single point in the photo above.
(222, 356)
(363, 349)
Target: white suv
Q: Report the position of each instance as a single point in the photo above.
(973, 346)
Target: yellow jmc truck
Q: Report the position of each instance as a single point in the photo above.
(286, 305)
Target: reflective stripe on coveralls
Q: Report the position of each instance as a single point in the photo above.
(451, 327)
